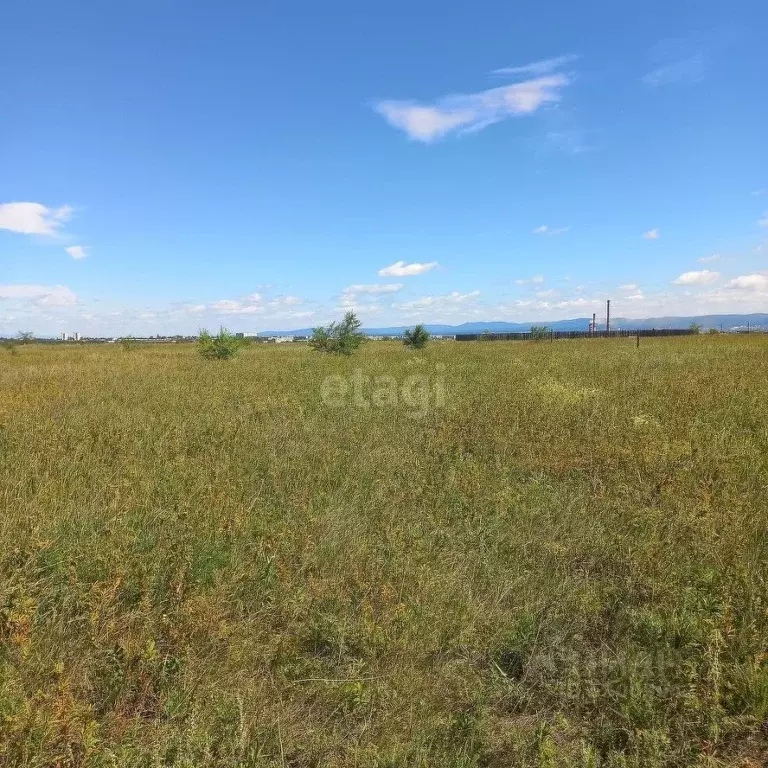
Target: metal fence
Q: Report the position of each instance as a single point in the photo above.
(552, 335)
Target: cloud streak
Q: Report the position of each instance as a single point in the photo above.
(538, 67)
(677, 61)
(545, 229)
(465, 113)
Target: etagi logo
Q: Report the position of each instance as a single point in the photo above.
(418, 393)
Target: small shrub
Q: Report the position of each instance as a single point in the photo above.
(539, 332)
(341, 338)
(486, 335)
(127, 343)
(223, 346)
(417, 338)
(695, 327)
(714, 331)
(25, 337)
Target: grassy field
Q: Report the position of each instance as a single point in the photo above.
(555, 555)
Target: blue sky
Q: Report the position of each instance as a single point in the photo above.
(166, 166)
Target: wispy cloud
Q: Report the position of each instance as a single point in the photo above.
(463, 113)
(351, 295)
(703, 277)
(401, 269)
(253, 304)
(33, 218)
(40, 295)
(709, 259)
(538, 67)
(545, 229)
(764, 221)
(437, 303)
(374, 288)
(77, 251)
(680, 60)
(535, 280)
(651, 234)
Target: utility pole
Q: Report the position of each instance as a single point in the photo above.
(593, 327)
(608, 316)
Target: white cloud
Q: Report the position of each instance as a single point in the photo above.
(40, 295)
(401, 269)
(33, 218)
(374, 288)
(474, 111)
(709, 259)
(651, 234)
(350, 296)
(629, 287)
(253, 304)
(579, 303)
(232, 307)
(545, 229)
(548, 294)
(755, 284)
(537, 67)
(764, 221)
(77, 251)
(437, 303)
(703, 277)
(535, 280)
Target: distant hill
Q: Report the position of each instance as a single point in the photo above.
(757, 321)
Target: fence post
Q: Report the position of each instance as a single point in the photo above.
(638, 340)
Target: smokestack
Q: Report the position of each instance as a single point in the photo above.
(608, 315)
(593, 327)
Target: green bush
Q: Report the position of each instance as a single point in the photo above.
(539, 332)
(223, 346)
(417, 338)
(341, 338)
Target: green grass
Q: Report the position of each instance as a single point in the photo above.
(202, 564)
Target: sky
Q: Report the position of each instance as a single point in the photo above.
(167, 166)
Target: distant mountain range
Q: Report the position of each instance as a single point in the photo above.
(757, 321)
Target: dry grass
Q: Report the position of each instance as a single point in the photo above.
(201, 564)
